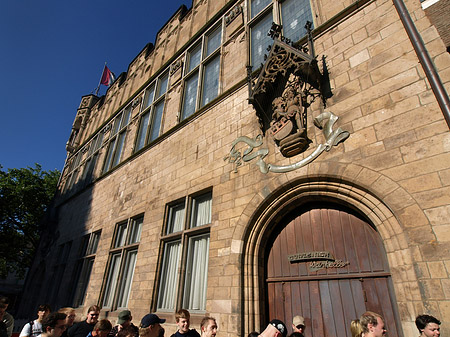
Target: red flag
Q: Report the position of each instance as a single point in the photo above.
(107, 77)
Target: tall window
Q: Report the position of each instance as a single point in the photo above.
(185, 238)
(117, 139)
(291, 14)
(202, 71)
(92, 156)
(152, 111)
(88, 249)
(122, 260)
(59, 270)
(74, 170)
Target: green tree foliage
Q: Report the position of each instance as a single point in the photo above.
(25, 195)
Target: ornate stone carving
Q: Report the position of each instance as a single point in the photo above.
(136, 102)
(233, 14)
(288, 83)
(175, 66)
(288, 124)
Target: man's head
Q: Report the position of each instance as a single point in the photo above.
(182, 317)
(124, 318)
(102, 328)
(127, 331)
(372, 324)
(208, 327)
(54, 324)
(298, 324)
(92, 314)
(43, 311)
(277, 328)
(70, 315)
(428, 326)
(4, 302)
(151, 326)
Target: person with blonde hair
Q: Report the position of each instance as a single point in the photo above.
(372, 325)
(70, 318)
(356, 328)
(183, 320)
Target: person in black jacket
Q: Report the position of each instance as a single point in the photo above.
(183, 317)
(83, 328)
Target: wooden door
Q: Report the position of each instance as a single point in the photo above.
(328, 293)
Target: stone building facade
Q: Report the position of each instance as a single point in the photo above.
(314, 181)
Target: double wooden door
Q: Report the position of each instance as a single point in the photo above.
(328, 265)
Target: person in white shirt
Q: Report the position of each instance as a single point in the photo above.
(34, 328)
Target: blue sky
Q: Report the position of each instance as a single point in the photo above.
(52, 53)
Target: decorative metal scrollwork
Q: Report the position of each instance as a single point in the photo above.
(324, 121)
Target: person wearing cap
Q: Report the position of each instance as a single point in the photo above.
(275, 328)
(124, 321)
(298, 324)
(151, 326)
(208, 327)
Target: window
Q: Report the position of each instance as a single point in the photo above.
(122, 259)
(291, 14)
(92, 156)
(58, 270)
(117, 139)
(186, 289)
(74, 170)
(152, 111)
(202, 71)
(83, 268)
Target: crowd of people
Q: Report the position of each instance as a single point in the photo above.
(62, 324)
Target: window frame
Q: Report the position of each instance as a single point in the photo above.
(198, 70)
(275, 9)
(92, 156)
(83, 268)
(158, 98)
(59, 268)
(74, 170)
(184, 238)
(118, 135)
(116, 282)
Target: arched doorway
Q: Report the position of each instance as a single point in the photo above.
(328, 264)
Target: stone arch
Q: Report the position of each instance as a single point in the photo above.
(381, 200)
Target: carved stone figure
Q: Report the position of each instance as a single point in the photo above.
(287, 126)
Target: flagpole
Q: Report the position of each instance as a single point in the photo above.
(100, 81)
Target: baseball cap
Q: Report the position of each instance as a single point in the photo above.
(279, 325)
(298, 320)
(151, 319)
(124, 316)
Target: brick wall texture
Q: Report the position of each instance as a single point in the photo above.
(394, 167)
